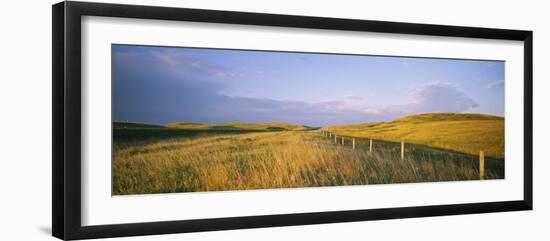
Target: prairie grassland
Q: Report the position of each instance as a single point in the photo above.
(467, 133)
(268, 160)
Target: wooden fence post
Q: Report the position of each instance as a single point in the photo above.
(335, 138)
(353, 144)
(343, 141)
(402, 150)
(370, 146)
(481, 165)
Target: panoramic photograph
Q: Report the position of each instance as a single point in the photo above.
(202, 119)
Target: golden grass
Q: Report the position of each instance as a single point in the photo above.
(266, 160)
(468, 133)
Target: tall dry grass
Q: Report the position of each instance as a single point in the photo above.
(267, 160)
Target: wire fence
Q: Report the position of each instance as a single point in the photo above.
(416, 152)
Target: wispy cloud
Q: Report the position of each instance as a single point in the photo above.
(188, 64)
(495, 84)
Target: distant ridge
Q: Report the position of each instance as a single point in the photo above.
(447, 117)
(280, 126)
(134, 125)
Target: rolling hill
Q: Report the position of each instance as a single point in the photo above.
(239, 126)
(468, 133)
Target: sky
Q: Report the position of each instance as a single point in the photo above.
(161, 85)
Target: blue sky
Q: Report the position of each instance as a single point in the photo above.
(167, 84)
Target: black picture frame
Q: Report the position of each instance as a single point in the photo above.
(66, 128)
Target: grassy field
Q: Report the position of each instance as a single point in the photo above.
(133, 134)
(467, 133)
(187, 157)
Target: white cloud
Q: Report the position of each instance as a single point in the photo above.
(432, 97)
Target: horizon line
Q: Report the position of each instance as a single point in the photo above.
(292, 123)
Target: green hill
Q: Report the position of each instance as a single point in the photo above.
(468, 133)
(238, 126)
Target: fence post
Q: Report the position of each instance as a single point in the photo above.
(353, 144)
(343, 141)
(402, 150)
(370, 146)
(481, 165)
(335, 138)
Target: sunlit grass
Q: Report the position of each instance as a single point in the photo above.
(468, 133)
(265, 160)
